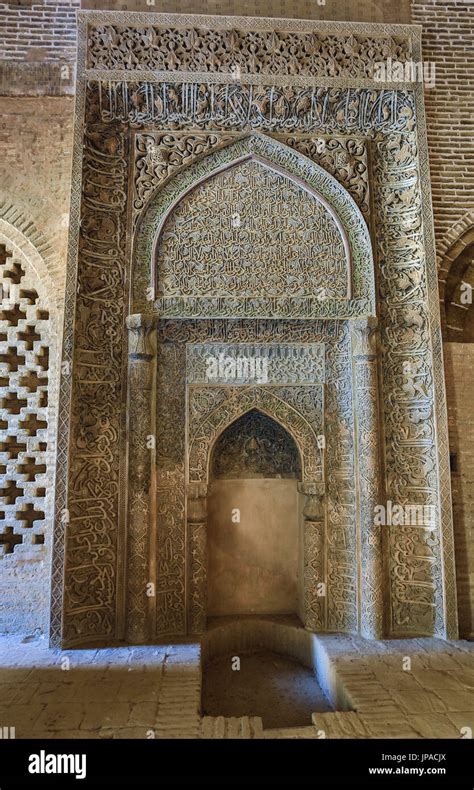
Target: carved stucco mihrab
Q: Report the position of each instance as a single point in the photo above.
(420, 561)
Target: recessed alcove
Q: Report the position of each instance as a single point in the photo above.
(253, 519)
(266, 666)
(277, 688)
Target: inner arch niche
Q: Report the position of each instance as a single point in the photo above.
(253, 519)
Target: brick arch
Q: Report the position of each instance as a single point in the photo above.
(21, 229)
(203, 440)
(454, 234)
(456, 272)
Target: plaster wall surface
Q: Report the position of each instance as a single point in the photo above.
(253, 564)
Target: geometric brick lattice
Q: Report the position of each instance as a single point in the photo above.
(24, 380)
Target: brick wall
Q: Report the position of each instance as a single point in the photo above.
(459, 365)
(347, 10)
(448, 42)
(38, 46)
(36, 155)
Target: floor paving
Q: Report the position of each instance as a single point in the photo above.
(416, 688)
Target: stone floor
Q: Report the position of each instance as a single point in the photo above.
(419, 688)
(411, 688)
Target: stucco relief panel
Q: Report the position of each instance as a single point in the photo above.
(298, 403)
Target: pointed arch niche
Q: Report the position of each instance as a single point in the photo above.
(256, 528)
(253, 535)
(218, 239)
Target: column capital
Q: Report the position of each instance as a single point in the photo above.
(364, 337)
(312, 488)
(196, 490)
(313, 506)
(141, 341)
(197, 502)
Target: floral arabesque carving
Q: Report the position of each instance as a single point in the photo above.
(239, 51)
(254, 446)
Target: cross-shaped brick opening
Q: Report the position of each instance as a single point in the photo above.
(15, 274)
(4, 255)
(12, 446)
(32, 425)
(13, 316)
(32, 381)
(29, 336)
(30, 295)
(12, 359)
(8, 540)
(31, 469)
(28, 515)
(42, 359)
(10, 492)
(13, 404)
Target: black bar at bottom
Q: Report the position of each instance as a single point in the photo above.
(263, 763)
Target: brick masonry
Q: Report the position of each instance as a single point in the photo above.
(37, 46)
(459, 365)
(36, 156)
(331, 10)
(448, 42)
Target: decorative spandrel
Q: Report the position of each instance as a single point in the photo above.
(250, 231)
